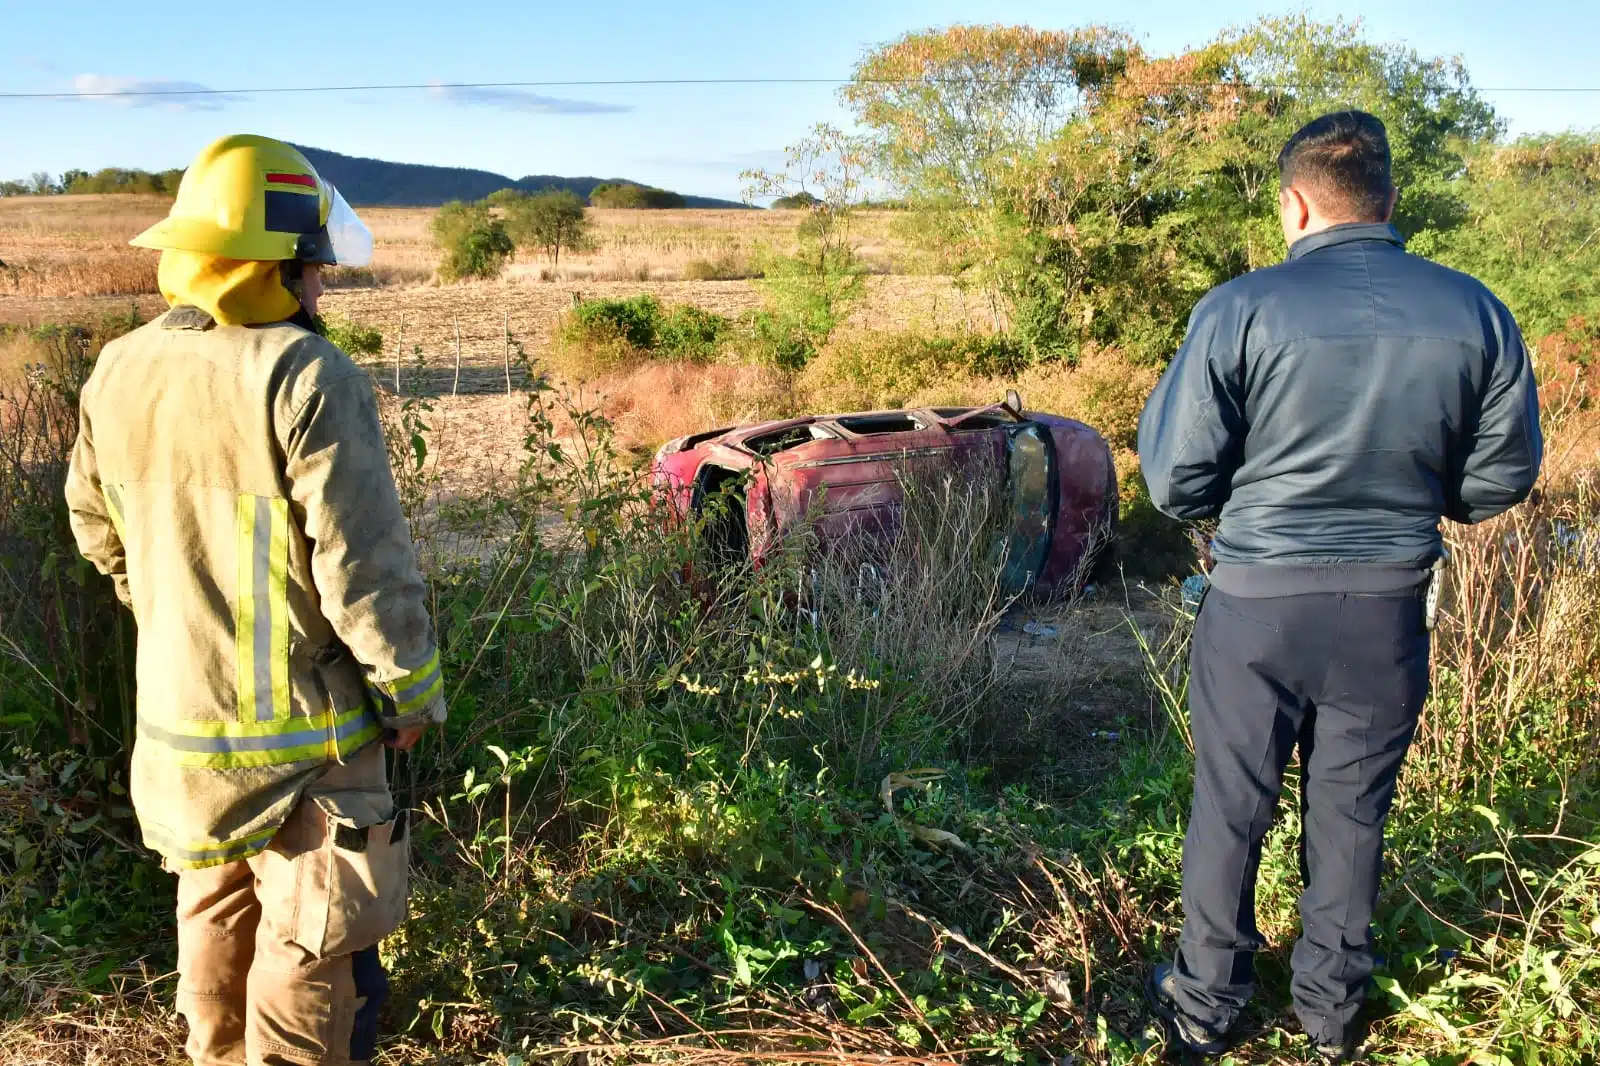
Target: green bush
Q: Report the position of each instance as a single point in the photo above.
(600, 336)
(474, 244)
(635, 320)
(691, 333)
(356, 338)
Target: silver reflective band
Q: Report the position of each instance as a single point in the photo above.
(349, 236)
(261, 570)
(419, 688)
(315, 732)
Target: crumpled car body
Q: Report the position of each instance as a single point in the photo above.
(847, 474)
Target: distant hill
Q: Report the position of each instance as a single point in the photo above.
(380, 183)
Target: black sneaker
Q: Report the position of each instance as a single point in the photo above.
(1189, 1034)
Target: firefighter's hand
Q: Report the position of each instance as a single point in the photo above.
(404, 739)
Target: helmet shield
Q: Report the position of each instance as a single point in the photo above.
(349, 238)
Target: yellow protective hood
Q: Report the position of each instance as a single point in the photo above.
(235, 292)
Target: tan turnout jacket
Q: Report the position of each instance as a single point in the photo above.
(234, 484)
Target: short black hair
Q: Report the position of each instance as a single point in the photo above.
(1343, 160)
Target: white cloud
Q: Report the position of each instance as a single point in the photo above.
(520, 100)
(150, 92)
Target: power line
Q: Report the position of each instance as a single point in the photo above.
(102, 94)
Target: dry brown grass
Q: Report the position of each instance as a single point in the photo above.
(76, 245)
(655, 403)
(61, 247)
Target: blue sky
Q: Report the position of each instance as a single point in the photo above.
(691, 138)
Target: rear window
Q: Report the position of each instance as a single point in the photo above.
(866, 425)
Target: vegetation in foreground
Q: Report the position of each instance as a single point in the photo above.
(816, 817)
(808, 816)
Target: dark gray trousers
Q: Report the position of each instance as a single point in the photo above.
(1341, 677)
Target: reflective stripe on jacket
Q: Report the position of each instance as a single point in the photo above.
(234, 483)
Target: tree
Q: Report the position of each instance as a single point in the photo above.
(1093, 192)
(1533, 229)
(41, 183)
(626, 194)
(800, 201)
(551, 221)
(473, 243)
(14, 188)
(71, 178)
(502, 197)
(809, 293)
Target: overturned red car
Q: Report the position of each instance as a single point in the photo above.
(846, 473)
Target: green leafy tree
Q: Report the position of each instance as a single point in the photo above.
(800, 201)
(551, 221)
(626, 194)
(811, 291)
(1092, 192)
(1532, 230)
(502, 197)
(472, 242)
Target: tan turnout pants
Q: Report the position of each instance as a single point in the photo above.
(277, 954)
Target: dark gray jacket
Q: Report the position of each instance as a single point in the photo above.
(1333, 408)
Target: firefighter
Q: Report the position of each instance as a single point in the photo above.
(230, 476)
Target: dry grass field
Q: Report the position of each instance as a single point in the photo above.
(67, 259)
(72, 247)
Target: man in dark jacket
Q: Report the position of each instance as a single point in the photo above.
(1330, 410)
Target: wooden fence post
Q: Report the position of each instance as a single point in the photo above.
(456, 387)
(399, 346)
(507, 324)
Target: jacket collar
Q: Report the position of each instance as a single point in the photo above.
(1344, 233)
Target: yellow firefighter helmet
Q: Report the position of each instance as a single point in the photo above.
(255, 198)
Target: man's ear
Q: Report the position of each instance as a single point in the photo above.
(1394, 199)
(1297, 209)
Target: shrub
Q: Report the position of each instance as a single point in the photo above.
(356, 338)
(634, 319)
(474, 244)
(726, 267)
(601, 336)
(691, 333)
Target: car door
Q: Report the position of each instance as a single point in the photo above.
(1032, 495)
